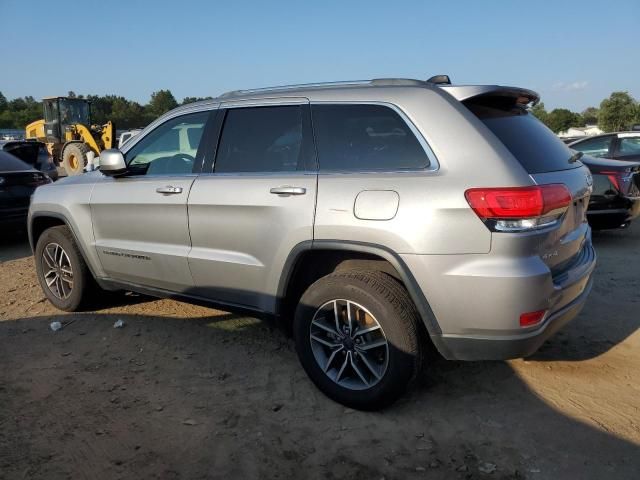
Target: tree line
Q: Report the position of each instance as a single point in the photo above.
(618, 112)
(124, 113)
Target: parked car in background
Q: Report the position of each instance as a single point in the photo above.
(17, 182)
(34, 154)
(618, 145)
(615, 199)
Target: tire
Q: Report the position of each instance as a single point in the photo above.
(374, 298)
(75, 293)
(74, 158)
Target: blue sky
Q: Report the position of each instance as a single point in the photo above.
(573, 53)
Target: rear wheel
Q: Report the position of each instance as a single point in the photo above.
(74, 158)
(61, 270)
(356, 335)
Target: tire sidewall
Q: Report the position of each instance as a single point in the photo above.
(55, 235)
(402, 354)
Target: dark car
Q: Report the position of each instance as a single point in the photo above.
(618, 145)
(17, 182)
(615, 200)
(34, 154)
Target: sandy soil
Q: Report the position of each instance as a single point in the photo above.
(187, 392)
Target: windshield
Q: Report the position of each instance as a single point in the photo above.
(9, 163)
(74, 111)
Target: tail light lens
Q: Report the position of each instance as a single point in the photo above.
(621, 180)
(39, 179)
(515, 209)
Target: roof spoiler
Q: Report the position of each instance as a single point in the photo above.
(521, 96)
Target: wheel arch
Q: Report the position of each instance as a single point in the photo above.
(293, 281)
(39, 222)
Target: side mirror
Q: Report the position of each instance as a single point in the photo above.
(112, 162)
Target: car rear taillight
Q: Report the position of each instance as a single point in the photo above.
(621, 180)
(38, 179)
(516, 209)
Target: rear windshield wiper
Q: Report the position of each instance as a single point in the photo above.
(575, 157)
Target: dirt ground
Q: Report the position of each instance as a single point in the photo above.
(187, 392)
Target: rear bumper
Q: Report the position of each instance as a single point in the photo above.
(477, 302)
(516, 346)
(617, 213)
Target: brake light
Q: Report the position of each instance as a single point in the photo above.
(532, 318)
(519, 208)
(620, 180)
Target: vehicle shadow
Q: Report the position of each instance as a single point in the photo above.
(224, 396)
(14, 244)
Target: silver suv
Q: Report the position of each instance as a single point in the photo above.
(376, 219)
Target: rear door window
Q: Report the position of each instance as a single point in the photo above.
(595, 147)
(365, 138)
(264, 139)
(536, 147)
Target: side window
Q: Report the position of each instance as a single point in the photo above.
(171, 148)
(597, 147)
(629, 146)
(365, 138)
(264, 139)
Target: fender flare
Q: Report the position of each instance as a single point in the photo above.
(61, 217)
(410, 283)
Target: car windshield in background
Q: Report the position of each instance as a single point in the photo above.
(9, 163)
(536, 147)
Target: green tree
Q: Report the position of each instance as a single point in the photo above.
(590, 116)
(617, 112)
(161, 102)
(560, 119)
(3, 103)
(188, 100)
(540, 112)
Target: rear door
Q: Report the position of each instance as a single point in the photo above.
(256, 204)
(140, 220)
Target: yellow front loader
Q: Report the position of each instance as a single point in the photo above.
(68, 133)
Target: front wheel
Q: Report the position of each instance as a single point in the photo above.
(62, 272)
(356, 334)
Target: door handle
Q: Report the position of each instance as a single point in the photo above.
(169, 190)
(288, 191)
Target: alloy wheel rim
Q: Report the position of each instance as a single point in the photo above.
(349, 344)
(58, 274)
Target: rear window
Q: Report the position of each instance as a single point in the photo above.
(25, 151)
(536, 147)
(9, 163)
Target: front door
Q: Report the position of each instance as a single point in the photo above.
(257, 204)
(140, 220)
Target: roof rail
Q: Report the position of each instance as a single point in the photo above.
(348, 83)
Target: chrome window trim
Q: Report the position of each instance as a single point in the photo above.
(434, 165)
(264, 102)
(284, 173)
